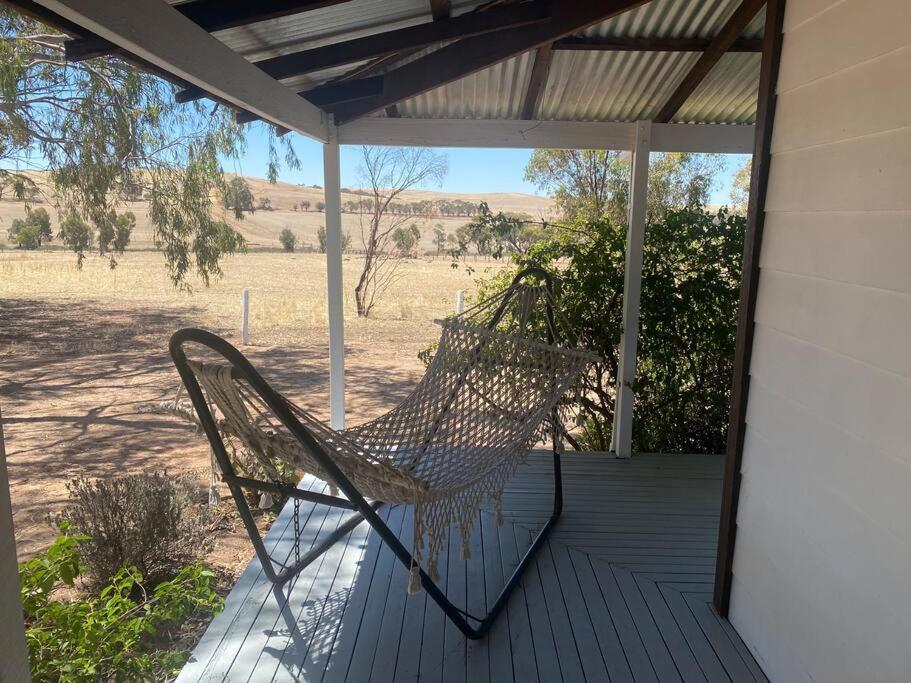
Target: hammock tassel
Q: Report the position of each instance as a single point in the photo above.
(414, 583)
(214, 498)
(498, 510)
(466, 550)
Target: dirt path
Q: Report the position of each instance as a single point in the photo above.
(77, 380)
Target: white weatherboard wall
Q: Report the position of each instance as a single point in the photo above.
(822, 564)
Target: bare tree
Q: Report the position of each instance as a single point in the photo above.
(388, 172)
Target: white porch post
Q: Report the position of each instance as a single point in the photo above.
(622, 435)
(332, 189)
(14, 661)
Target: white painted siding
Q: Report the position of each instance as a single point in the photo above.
(823, 553)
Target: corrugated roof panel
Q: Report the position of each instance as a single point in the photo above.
(610, 86)
(494, 93)
(668, 19)
(581, 85)
(729, 94)
(327, 25)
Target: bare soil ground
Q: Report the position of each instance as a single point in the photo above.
(83, 357)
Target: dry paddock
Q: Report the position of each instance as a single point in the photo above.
(83, 356)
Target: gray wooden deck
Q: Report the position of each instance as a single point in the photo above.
(621, 591)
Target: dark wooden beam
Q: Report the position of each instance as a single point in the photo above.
(765, 117)
(536, 81)
(394, 42)
(720, 44)
(334, 94)
(465, 57)
(440, 9)
(597, 44)
(211, 15)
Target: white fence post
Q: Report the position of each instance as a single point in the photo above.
(332, 185)
(245, 317)
(622, 436)
(460, 302)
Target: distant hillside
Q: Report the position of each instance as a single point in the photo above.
(262, 227)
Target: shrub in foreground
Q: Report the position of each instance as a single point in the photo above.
(147, 521)
(115, 635)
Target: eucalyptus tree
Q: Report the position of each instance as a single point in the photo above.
(387, 172)
(104, 133)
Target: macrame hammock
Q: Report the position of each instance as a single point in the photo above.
(490, 393)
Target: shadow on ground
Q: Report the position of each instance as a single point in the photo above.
(77, 380)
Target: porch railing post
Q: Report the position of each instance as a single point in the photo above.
(14, 662)
(622, 435)
(332, 189)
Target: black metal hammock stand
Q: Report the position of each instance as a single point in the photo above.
(494, 386)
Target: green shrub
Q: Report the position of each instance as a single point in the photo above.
(688, 323)
(288, 240)
(24, 234)
(147, 521)
(113, 636)
(32, 231)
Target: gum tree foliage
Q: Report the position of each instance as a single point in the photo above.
(688, 321)
(288, 240)
(387, 172)
(33, 230)
(321, 240)
(106, 132)
(740, 188)
(497, 234)
(592, 184)
(406, 238)
(238, 197)
(690, 293)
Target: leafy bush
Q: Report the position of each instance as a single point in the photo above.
(147, 521)
(77, 235)
(111, 636)
(688, 323)
(288, 240)
(24, 234)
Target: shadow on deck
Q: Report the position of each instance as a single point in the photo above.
(620, 592)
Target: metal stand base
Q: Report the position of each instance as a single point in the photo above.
(279, 574)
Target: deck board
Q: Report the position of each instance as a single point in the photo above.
(620, 592)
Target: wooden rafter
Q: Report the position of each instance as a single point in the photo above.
(536, 81)
(720, 44)
(394, 42)
(464, 57)
(625, 44)
(211, 15)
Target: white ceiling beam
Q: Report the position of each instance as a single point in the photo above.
(158, 33)
(666, 137)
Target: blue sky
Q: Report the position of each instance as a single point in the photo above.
(470, 170)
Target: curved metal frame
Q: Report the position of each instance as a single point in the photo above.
(364, 510)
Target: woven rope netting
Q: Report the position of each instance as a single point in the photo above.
(483, 403)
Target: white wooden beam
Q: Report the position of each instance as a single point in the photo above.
(667, 137)
(333, 192)
(158, 33)
(14, 661)
(622, 435)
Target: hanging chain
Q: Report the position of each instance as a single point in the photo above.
(297, 530)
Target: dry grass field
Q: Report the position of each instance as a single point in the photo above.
(83, 359)
(262, 227)
(83, 354)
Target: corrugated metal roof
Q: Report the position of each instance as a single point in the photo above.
(581, 85)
